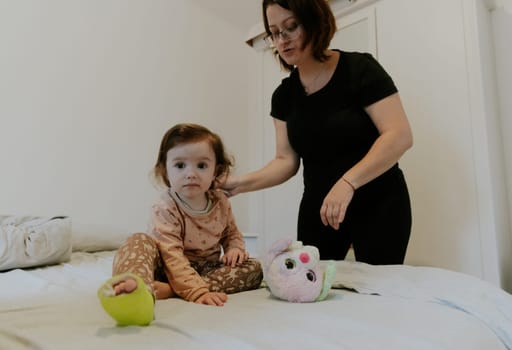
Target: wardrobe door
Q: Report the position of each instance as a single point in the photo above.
(429, 53)
(356, 32)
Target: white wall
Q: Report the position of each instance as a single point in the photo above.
(504, 4)
(87, 89)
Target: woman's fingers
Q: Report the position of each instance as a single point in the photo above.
(332, 215)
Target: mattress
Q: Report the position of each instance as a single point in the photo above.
(371, 307)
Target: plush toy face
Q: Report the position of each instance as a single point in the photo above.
(292, 271)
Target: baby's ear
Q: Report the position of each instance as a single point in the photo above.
(219, 179)
(221, 172)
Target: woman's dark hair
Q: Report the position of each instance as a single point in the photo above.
(190, 133)
(317, 21)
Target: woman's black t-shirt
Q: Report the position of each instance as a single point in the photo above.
(331, 131)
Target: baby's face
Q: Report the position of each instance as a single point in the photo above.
(191, 169)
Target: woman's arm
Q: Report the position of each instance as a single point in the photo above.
(395, 138)
(284, 165)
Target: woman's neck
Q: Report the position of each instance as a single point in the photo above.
(315, 74)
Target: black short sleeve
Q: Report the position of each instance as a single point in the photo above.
(374, 82)
(279, 107)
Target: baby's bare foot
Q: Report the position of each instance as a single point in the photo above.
(162, 290)
(126, 286)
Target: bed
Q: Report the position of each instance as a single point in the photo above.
(50, 276)
(371, 307)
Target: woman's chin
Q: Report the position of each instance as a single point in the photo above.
(289, 57)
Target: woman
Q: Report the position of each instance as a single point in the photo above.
(341, 114)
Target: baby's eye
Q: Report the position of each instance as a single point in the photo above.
(179, 165)
(289, 263)
(202, 165)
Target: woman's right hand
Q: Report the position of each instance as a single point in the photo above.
(284, 165)
(229, 185)
(212, 298)
(335, 204)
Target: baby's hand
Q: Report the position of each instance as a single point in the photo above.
(234, 257)
(213, 299)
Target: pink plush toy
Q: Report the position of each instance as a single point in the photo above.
(292, 272)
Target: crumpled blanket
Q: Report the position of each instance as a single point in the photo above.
(486, 302)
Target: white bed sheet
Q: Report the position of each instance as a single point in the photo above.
(56, 308)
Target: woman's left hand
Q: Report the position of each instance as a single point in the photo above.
(234, 257)
(336, 203)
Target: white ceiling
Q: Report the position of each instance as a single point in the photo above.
(243, 14)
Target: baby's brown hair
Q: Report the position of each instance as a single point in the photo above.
(191, 133)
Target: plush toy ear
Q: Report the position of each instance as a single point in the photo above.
(277, 248)
(329, 275)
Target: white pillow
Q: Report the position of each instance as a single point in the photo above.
(28, 241)
(93, 238)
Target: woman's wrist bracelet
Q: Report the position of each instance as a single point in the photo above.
(349, 183)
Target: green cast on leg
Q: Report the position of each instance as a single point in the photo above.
(135, 308)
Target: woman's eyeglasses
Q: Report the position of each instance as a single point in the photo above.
(289, 33)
